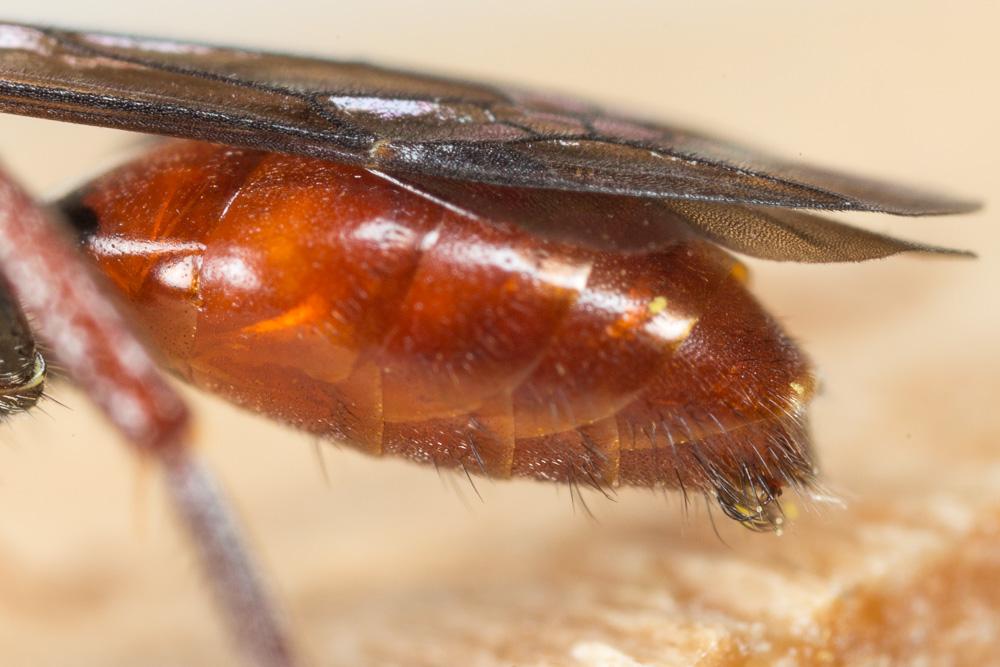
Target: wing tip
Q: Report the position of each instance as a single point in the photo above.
(951, 253)
(934, 206)
(908, 202)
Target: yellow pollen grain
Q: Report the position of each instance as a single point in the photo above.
(740, 272)
(658, 305)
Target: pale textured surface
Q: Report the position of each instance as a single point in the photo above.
(390, 565)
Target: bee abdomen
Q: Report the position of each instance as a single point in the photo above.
(334, 300)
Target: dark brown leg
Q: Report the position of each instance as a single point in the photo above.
(95, 346)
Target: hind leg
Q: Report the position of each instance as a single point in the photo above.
(41, 272)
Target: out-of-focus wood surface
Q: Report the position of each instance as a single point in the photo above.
(389, 564)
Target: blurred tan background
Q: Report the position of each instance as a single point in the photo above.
(388, 563)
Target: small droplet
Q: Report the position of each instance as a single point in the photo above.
(658, 305)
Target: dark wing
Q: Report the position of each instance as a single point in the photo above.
(405, 123)
(636, 224)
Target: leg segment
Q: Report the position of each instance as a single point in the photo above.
(95, 346)
(22, 368)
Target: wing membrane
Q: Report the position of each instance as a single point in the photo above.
(407, 124)
(633, 224)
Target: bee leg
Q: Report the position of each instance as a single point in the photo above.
(22, 367)
(53, 284)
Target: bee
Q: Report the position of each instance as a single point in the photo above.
(483, 278)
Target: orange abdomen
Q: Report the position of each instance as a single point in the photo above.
(336, 301)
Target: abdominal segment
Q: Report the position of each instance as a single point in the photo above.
(330, 298)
